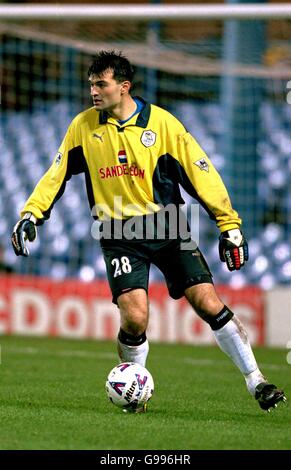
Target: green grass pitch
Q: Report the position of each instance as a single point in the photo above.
(53, 397)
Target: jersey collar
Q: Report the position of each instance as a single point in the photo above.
(142, 118)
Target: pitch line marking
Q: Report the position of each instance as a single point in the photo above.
(210, 362)
(110, 355)
(61, 353)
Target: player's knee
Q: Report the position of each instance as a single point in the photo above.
(134, 313)
(134, 319)
(133, 299)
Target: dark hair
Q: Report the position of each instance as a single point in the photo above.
(115, 61)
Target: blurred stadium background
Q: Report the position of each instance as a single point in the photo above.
(227, 81)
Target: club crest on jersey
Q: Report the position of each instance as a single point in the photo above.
(148, 138)
(122, 156)
(58, 158)
(202, 163)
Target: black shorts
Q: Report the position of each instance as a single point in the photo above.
(128, 264)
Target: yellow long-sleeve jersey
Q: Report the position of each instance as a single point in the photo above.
(133, 169)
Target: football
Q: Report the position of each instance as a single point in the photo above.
(129, 386)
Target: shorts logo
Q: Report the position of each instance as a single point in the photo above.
(58, 158)
(122, 156)
(148, 138)
(202, 164)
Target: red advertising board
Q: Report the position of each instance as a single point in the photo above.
(75, 309)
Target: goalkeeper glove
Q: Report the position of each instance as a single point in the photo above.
(25, 229)
(233, 249)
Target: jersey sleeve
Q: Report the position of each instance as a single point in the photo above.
(52, 185)
(201, 180)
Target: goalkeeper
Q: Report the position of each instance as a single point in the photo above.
(134, 156)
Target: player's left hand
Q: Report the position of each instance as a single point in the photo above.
(233, 249)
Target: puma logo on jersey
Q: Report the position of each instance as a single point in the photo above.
(100, 137)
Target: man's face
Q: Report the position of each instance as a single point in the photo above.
(106, 92)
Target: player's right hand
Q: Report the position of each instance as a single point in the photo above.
(25, 229)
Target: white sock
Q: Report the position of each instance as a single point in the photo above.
(133, 353)
(253, 379)
(232, 339)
